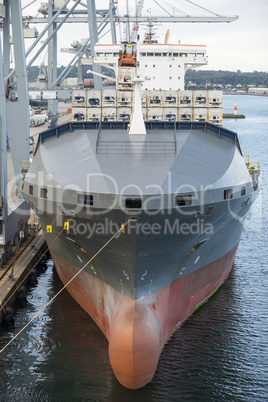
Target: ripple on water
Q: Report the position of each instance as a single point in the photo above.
(38, 344)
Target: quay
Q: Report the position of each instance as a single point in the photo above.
(20, 268)
(19, 271)
(233, 116)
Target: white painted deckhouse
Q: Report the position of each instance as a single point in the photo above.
(164, 65)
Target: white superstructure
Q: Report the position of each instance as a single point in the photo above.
(164, 65)
(160, 69)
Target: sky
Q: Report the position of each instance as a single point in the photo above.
(240, 45)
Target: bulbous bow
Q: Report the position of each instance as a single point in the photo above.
(135, 345)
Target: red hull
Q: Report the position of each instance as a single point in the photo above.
(138, 330)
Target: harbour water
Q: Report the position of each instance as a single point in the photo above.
(219, 354)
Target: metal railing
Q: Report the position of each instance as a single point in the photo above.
(150, 126)
(137, 147)
(252, 166)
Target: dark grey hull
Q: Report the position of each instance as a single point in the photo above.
(181, 192)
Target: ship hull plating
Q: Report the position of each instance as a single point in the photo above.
(181, 192)
(138, 329)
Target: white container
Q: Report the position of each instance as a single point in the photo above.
(108, 98)
(155, 99)
(170, 98)
(93, 98)
(93, 114)
(124, 98)
(125, 78)
(170, 113)
(155, 114)
(200, 114)
(215, 99)
(215, 115)
(123, 113)
(79, 97)
(109, 114)
(185, 98)
(200, 98)
(79, 113)
(185, 114)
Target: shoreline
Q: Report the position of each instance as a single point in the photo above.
(237, 93)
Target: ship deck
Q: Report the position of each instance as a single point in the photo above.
(191, 153)
(112, 131)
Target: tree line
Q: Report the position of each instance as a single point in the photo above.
(203, 78)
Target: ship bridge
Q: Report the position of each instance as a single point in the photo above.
(164, 65)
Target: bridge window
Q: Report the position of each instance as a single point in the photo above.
(133, 203)
(182, 200)
(85, 199)
(31, 190)
(243, 191)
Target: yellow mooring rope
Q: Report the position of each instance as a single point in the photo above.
(68, 283)
(26, 276)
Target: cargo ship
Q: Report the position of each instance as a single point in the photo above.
(149, 213)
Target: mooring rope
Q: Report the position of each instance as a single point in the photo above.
(26, 276)
(28, 256)
(122, 228)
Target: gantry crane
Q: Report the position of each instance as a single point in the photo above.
(14, 100)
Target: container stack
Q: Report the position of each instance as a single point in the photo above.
(170, 105)
(111, 105)
(215, 111)
(124, 105)
(108, 105)
(200, 105)
(79, 104)
(93, 105)
(185, 105)
(154, 105)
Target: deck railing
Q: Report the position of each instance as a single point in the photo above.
(137, 147)
(150, 126)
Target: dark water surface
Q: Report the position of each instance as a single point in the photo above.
(219, 354)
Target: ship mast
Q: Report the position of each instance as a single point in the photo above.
(137, 125)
